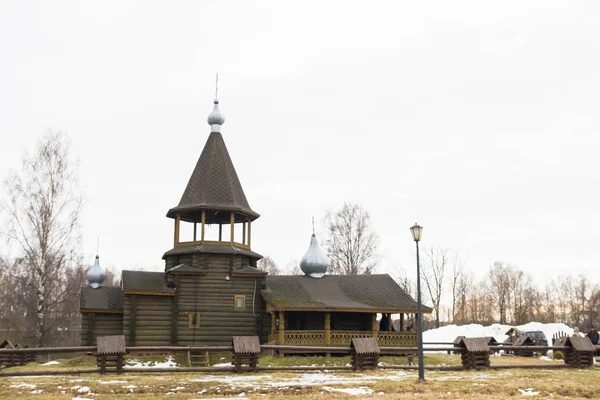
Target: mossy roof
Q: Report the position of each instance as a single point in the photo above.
(362, 293)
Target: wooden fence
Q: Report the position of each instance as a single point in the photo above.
(27, 353)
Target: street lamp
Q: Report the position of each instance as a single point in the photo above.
(417, 231)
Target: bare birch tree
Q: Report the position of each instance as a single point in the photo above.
(350, 244)
(268, 265)
(43, 207)
(500, 288)
(432, 272)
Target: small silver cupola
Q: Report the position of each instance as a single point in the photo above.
(216, 118)
(96, 274)
(315, 261)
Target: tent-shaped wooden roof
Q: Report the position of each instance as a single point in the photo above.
(214, 186)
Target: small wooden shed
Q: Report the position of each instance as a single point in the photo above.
(524, 340)
(456, 343)
(581, 352)
(110, 352)
(246, 350)
(475, 353)
(7, 360)
(365, 353)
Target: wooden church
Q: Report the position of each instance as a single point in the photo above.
(211, 290)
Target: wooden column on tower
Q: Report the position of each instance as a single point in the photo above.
(232, 219)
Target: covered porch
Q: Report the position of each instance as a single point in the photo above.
(313, 328)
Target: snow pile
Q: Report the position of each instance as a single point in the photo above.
(449, 332)
(169, 363)
(51, 363)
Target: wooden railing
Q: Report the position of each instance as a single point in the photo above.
(344, 338)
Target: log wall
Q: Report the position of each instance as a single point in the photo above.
(212, 296)
(152, 316)
(99, 324)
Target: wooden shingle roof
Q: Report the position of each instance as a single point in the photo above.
(359, 293)
(145, 282)
(246, 345)
(580, 344)
(214, 185)
(104, 298)
(475, 345)
(212, 249)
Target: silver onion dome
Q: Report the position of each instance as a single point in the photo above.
(315, 261)
(216, 118)
(96, 275)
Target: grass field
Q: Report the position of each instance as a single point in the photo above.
(385, 384)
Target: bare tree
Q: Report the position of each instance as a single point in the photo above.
(432, 272)
(350, 244)
(43, 208)
(455, 282)
(268, 265)
(293, 268)
(500, 288)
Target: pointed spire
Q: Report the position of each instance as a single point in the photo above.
(216, 118)
(96, 274)
(315, 261)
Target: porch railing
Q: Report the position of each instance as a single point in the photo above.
(344, 338)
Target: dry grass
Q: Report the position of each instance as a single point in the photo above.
(491, 384)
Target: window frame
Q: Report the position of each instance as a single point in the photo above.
(191, 319)
(235, 302)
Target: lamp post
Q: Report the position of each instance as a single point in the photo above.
(416, 231)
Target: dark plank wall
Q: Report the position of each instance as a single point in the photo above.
(153, 320)
(105, 325)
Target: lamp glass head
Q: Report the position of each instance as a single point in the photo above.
(416, 231)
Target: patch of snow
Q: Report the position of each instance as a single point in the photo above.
(129, 387)
(84, 389)
(528, 392)
(113, 382)
(169, 363)
(23, 385)
(223, 365)
(51, 363)
(544, 358)
(38, 391)
(359, 391)
(177, 388)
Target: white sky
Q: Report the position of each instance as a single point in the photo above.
(478, 120)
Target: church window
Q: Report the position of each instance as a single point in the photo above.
(194, 320)
(240, 302)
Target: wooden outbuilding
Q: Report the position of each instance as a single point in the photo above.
(110, 353)
(475, 353)
(523, 340)
(365, 353)
(246, 351)
(581, 352)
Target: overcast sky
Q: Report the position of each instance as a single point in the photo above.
(478, 120)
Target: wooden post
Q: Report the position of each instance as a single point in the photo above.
(175, 313)
(327, 328)
(232, 219)
(203, 224)
(133, 319)
(220, 232)
(249, 231)
(176, 239)
(273, 324)
(281, 340)
(91, 328)
(194, 231)
(401, 322)
(244, 233)
(374, 325)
